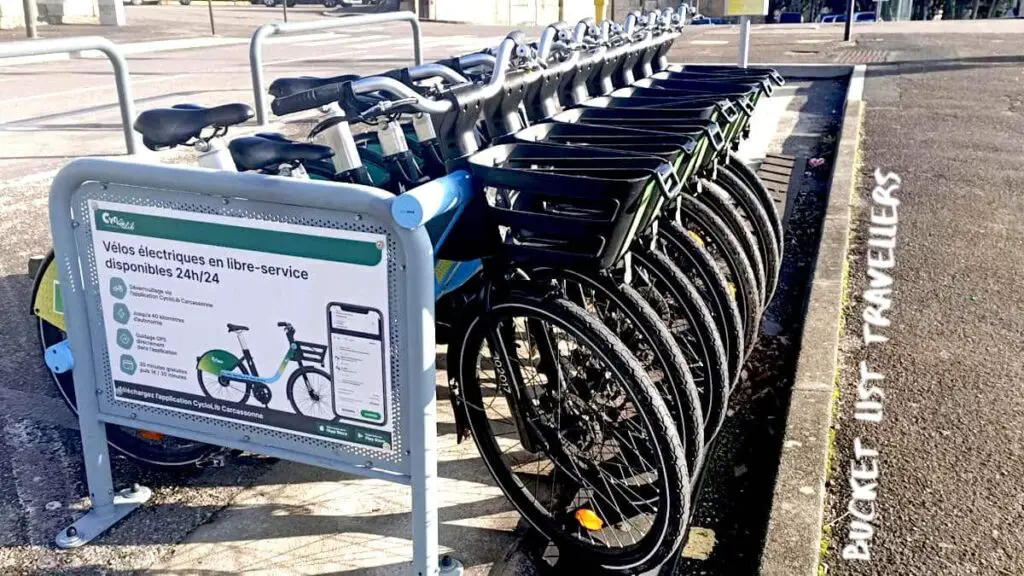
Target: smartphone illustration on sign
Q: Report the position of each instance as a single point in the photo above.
(357, 363)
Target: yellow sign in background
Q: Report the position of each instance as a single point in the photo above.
(746, 7)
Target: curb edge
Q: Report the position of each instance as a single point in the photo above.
(792, 544)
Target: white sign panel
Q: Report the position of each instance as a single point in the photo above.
(277, 325)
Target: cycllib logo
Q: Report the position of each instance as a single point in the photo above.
(116, 221)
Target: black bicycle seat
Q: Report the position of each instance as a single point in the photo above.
(288, 86)
(237, 328)
(169, 127)
(259, 152)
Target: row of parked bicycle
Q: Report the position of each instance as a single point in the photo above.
(600, 282)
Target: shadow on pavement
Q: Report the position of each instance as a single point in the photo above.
(904, 67)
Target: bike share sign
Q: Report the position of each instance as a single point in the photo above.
(307, 305)
(285, 317)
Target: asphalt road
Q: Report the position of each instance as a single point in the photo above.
(945, 113)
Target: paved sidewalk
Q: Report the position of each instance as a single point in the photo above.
(305, 520)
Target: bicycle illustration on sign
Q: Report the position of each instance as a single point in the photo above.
(226, 377)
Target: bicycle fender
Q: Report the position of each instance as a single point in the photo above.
(47, 303)
(216, 361)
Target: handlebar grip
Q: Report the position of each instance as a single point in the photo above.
(308, 100)
(518, 37)
(283, 325)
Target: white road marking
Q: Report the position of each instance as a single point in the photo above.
(812, 41)
(709, 42)
(342, 40)
(105, 86)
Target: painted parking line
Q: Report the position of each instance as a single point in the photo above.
(336, 39)
(104, 86)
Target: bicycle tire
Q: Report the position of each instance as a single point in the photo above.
(290, 391)
(696, 218)
(676, 385)
(756, 185)
(707, 354)
(719, 201)
(672, 516)
(757, 197)
(168, 453)
(696, 263)
(237, 366)
(754, 213)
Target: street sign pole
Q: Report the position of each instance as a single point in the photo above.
(745, 9)
(30, 18)
(744, 41)
(213, 27)
(848, 32)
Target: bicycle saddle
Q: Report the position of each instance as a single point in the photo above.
(287, 86)
(170, 127)
(270, 150)
(237, 328)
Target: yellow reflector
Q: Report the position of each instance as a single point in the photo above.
(588, 519)
(732, 291)
(147, 435)
(696, 237)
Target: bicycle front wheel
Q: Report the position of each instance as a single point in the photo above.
(311, 393)
(573, 431)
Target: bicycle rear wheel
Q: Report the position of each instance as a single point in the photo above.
(143, 445)
(569, 425)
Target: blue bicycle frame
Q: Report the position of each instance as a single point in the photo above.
(416, 207)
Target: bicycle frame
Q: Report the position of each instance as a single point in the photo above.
(254, 376)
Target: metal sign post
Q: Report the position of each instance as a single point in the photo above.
(78, 44)
(152, 261)
(279, 29)
(744, 41)
(745, 9)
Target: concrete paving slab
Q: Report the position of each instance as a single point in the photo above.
(304, 520)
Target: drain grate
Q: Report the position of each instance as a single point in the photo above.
(862, 56)
(782, 175)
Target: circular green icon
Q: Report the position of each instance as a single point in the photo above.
(118, 289)
(121, 313)
(124, 339)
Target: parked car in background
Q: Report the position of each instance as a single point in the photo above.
(377, 5)
(791, 18)
(828, 18)
(865, 17)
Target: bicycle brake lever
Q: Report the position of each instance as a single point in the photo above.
(381, 108)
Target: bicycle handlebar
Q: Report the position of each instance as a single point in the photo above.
(331, 93)
(424, 71)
